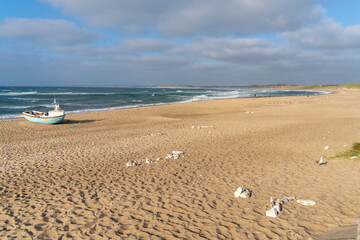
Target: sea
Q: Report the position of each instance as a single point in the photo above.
(15, 100)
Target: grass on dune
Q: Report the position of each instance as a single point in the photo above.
(353, 152)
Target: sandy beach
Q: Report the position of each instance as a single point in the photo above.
(71, 181)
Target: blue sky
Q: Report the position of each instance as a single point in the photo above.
(188, 42)
(346, 11)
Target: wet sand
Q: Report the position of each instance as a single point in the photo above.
(70, 181)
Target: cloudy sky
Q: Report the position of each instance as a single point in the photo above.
(179, 42)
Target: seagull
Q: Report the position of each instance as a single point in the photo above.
(321, 161)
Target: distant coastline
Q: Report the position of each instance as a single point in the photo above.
(272, 86)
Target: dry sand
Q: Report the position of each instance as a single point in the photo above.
(71, 180)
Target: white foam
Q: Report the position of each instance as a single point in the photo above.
(17, 93)
(25, 99)
(16, 107)
(10, 116)
(74, 93)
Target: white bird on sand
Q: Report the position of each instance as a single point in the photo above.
(321, 161)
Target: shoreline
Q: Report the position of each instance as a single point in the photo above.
(72, 180)
(321, 92)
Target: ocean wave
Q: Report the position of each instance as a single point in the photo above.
(202, 97)
(25, 99)
(52, 93)
(10, 116)
(217, 95)
(17, 93)
(46, 105)
(15, 107)
(74, 93)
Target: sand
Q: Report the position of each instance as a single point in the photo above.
(70, 181)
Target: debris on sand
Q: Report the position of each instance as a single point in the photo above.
(132, 163)
(306, 202)
(276, 205)
(243, 192)
(174, 154)
(201, 127)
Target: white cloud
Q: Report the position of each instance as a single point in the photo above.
(64, 52)
(90, 65)
(187, 17)
(246, 51)
(147, 45)
(327, 34)
(45, 31)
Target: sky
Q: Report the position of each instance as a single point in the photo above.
(179, 42)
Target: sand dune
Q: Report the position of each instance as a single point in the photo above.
(70, 181)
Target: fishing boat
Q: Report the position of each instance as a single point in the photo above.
(50, 117)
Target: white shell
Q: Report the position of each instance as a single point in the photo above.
(306, 202)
